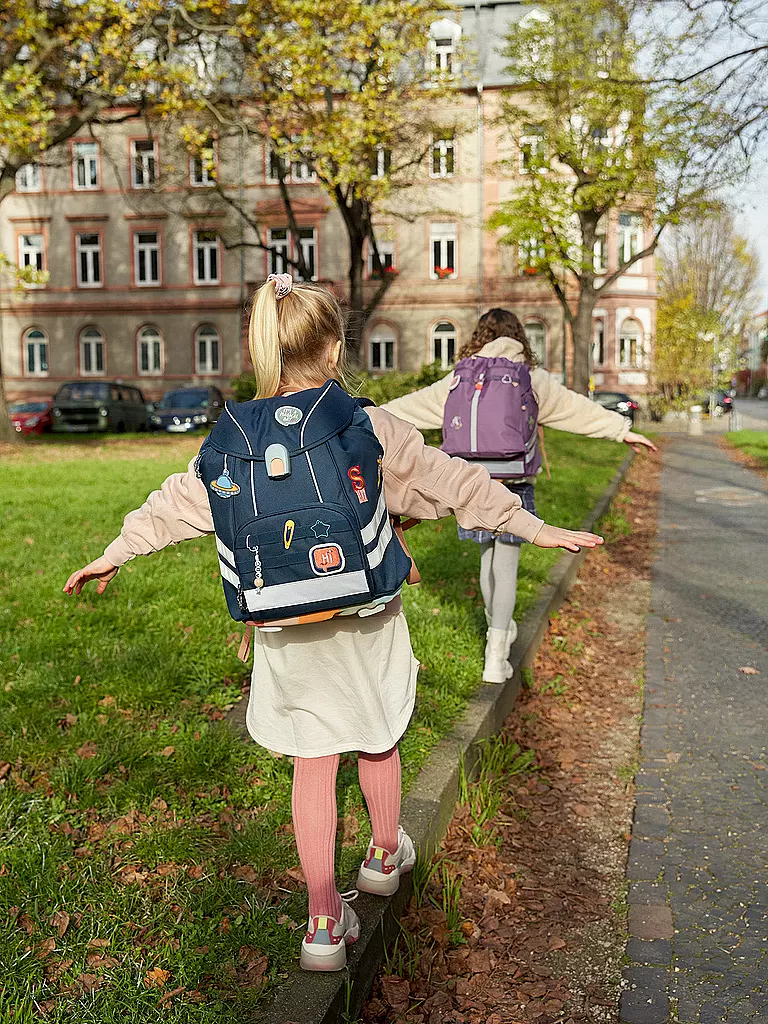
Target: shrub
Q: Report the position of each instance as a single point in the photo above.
(379, 389)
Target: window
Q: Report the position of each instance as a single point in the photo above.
(308, 246)
(150, 352)
(598, 343)
(381, 162)
(298, 172)
(29, 178)
(146, 258)
(277, 257)
(381, 347)
(386, 257)
(206, 257)
(442, 157)
(444, 344)
(600, 252)
(443, 253)
(531, 148)
(91, 352)
(630, 237)
(207, 350)
(85, 166)
(31, 254)
(536, 334)
(88, 258)
(631, 345)
(530, 254)
(143, 163)
(35, 353)
(202, 166)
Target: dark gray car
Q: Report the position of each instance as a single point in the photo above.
(98, 405)
(185, 409)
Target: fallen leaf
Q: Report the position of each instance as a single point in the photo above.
(167, 751)
(60, 921)
(98, 943)
(747, 670)
(87, 750)
(107, 702)
(156, 978)
(29, 540)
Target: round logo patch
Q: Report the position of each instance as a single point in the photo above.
(287, 415)
(456, 423)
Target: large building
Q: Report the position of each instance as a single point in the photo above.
(148, 278)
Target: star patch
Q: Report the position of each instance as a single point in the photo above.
(321, 529)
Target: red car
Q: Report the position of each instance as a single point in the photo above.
(33, 417)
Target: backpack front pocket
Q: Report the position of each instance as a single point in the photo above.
(310, 556)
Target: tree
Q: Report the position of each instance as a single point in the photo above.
(66, 65)
(601, 139)
(708, 273)
(342, 90)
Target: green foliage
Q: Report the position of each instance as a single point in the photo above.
(685, 340)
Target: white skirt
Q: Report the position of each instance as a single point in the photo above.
(330, 687)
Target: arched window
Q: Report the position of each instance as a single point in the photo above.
(536, 333)
(207, 349)
(91, 352)
(631, 345)
(150, 352)
(381, 348)
(444, 344)
(598, 343)
(35, 353)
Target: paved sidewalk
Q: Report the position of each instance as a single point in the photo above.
(697, 867)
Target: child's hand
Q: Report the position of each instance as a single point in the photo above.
(99, 569)
(638, 441)
(572, 540)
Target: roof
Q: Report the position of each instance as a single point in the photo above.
(485, 25)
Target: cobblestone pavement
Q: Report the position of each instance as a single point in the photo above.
(698, 890)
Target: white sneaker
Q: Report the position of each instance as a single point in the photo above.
(497, 669)
(324, 947)
(381, 870)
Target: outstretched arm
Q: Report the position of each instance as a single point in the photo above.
(178, 511)
(425, 483)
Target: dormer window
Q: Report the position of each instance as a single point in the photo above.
(444, 38)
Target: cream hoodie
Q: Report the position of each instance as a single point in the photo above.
(559, 407)
(419, 482)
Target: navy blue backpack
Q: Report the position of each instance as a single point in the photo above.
(295, 488)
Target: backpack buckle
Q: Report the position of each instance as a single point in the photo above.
(278, 461)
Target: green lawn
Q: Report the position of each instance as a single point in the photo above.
(753, 442)
(146, 851)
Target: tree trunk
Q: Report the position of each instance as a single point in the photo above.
(357, 310)
(581, 331)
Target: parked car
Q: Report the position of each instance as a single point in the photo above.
(32, 417)
(617, 401)
(185, 409)
(723, 402)
(98, 405)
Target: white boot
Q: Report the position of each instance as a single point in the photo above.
(512, 633)
(497, 669)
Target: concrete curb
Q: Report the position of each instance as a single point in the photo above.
(427, 809)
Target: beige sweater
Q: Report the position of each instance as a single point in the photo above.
(559, 407)
(419, 481)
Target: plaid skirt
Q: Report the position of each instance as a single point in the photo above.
(525, 492)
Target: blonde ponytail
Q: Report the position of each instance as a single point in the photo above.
(290, 339)
(264, 342)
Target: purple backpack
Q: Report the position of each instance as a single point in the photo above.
(491, 416)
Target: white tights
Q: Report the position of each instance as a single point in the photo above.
(498, 581)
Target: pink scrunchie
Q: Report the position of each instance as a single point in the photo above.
(283, 284)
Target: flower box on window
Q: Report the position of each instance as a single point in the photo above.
(443, 272)
(530, 271)
(378, 275)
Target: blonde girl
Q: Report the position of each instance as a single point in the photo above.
(349, 683)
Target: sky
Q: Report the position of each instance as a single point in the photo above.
(752, 203)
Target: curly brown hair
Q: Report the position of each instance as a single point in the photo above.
(498, 323)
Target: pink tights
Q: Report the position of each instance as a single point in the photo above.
(314, 817)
